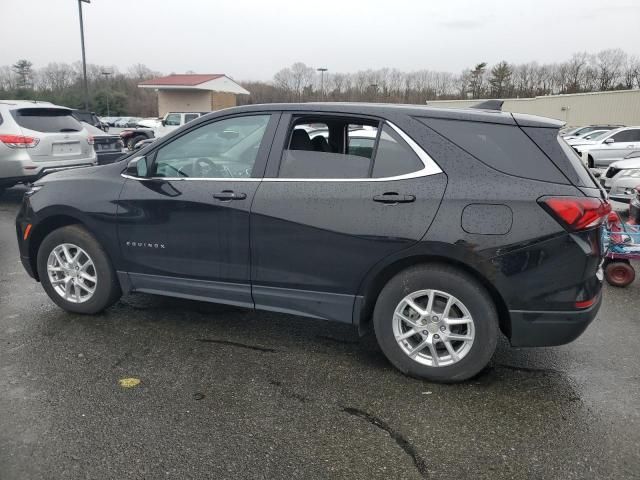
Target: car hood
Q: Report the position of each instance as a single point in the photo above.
(626, 164)
(578, 141)
(69, 174)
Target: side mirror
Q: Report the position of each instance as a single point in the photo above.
(609, 140)
(137, 167)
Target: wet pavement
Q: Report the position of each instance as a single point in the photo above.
(230, 393)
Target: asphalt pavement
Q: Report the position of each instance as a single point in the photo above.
(231, 393)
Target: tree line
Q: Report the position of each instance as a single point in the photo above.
(607, 70)
(61, 83)
(109, 89)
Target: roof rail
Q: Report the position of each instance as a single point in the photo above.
(489, 105)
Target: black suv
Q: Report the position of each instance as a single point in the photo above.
(437, 228)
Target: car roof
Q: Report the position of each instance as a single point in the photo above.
(380, 109)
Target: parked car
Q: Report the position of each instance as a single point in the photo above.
(612, 147)
(587, 138)
(131, 136)
(634, 208)
(458, 225)
(108, 147)
(37, 138)
(621, 178)
(174, 120)
(149, 123)
(89, 118)
(580, 131)
(110, 121)
(125, 122)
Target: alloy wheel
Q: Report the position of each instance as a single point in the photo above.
(72, 273)
(433, 328)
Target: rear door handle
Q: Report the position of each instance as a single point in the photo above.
(228, 195)
(391, 198)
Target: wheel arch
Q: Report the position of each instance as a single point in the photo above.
(44, 228)
(373, 285)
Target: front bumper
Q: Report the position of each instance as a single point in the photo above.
(547, 329)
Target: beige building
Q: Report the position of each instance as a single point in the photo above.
(616, 107)
(194, 92)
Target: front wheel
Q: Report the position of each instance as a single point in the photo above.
(436, 322)
(76, 272)
(132, 141)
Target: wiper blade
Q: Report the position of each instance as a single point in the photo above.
(68, 130)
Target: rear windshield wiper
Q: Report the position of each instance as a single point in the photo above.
(68, 130)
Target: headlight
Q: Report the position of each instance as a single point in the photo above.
(632, 172)
(32, 190)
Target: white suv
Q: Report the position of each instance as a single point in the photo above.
(37, 138)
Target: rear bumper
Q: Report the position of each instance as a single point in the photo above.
(547, 329)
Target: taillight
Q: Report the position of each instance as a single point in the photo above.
(90, 140)
(576, 213)
(19, 141)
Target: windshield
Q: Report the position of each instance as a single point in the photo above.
(598, 136)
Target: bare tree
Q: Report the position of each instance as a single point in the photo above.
(610, 64)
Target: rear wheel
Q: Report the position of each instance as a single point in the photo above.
(76, 272)
(619, 274)
(436, 322)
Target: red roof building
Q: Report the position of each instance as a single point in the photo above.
(194, 92)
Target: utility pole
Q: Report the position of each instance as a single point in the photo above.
(321, 70)
(106, 77)
(84, 58)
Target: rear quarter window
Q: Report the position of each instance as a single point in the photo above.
(46, 120)
(565, 158)
(505, 148)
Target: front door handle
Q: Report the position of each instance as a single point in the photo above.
(228, 195)
(391, 198)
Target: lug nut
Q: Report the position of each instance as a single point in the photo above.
(424, 332)
(436, 336)
(442, 328)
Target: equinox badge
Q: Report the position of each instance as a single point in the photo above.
(145, 244)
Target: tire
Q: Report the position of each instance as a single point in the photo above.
(131, 143)
(106, 287)
(473, 356)
(619, 274)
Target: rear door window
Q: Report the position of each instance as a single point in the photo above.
(190, 116)
(345, 148)
(46, 120)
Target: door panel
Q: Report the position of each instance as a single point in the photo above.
(177, 228)
(314, 239)
(185, 230)
(324, 236)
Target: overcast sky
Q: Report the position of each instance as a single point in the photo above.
(252, 39)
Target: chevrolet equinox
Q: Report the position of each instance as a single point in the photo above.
(436, 228)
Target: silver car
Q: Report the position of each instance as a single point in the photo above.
(609, 148)
(37, 138)
(621, 178)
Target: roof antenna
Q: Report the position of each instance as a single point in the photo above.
(489, 105)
